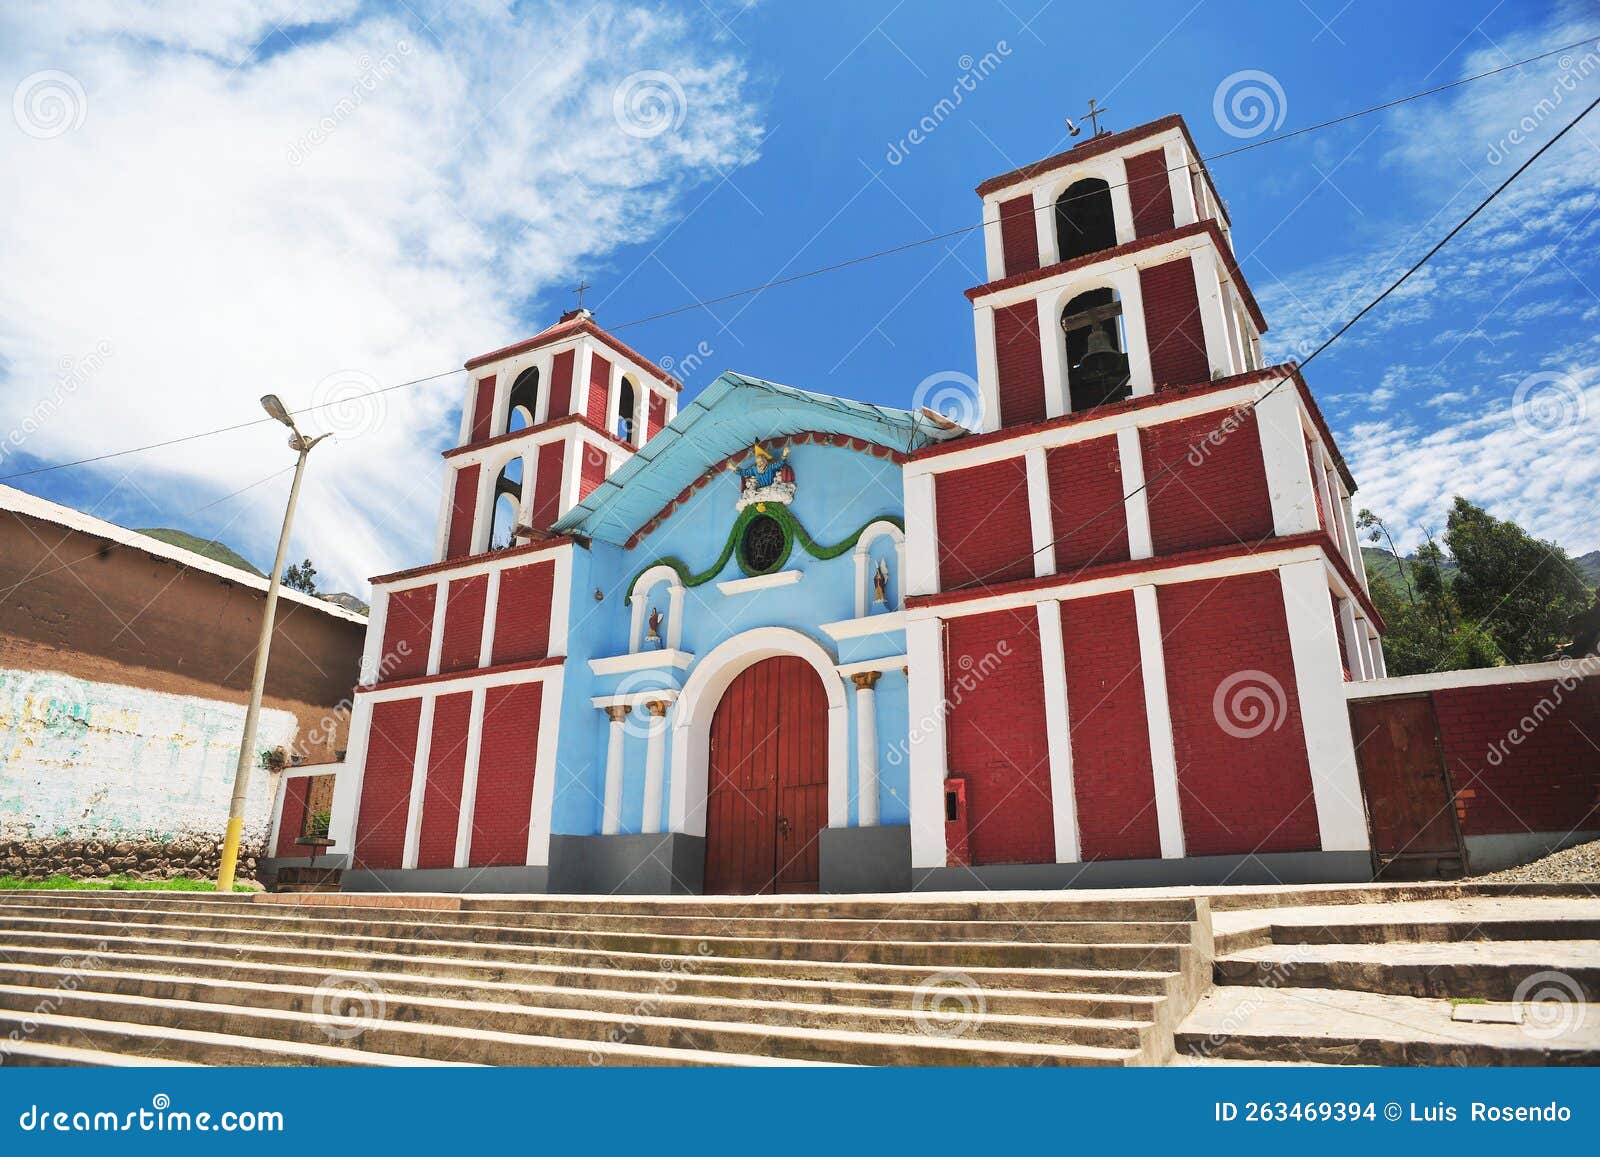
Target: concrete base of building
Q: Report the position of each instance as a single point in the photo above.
(866, 859)
(1268, 868)
(1492, 853)
(655, 864)
(506, 879)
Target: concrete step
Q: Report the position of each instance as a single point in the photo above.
(550, 945)
(614, 990)
(290, 1013)
(1296, 1024)
(954, 1009)
(867, 910)
(1063, 931)
(1491, 970)
(645, 972)
(1435, 931)
(23, 1054)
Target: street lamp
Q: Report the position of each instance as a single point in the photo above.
(302, 445)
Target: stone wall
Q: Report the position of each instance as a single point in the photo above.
(137, 859)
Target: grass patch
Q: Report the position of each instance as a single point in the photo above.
(1455, 1000)
(112, 884)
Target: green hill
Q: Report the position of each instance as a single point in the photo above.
(216, 551)
(1382, 564)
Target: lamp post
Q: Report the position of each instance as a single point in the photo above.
(252, 716)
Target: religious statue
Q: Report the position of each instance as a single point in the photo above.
(653, 636)
(880, 585)
(764, 478)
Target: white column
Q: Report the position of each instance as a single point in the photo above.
(1330, 750)
(372, 646)
(347, 785)
(1135, 496)
(1213, 317)
(501, 418)
(1044, 226)
(925, 699)
(582, 363)
(1040, 515)
(545, 769)
(866, 748)
(1058, 732)
(1158, 718)
(654, 764)
(1283, 454)
(1053, 351)
(469, 779)
(1141, 377)
(611, 810)
(419, 784)
(994, 247)
(491, 613)
(988, 368)
(441, 592)
(920, 575)
(1121, 206)
(1355, 640)
(1184, 211)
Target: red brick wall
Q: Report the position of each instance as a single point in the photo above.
(1151, 192)
(561, 385)
(409, 620)
(1240, 792)
(658, 414)
(1086, 483)
(386, 784)
(985, 533)
(1173, 329)
(599, 390)
(463, 623)
(593, 470)
(522, 616)
(483, 409)
(995, 735)
(1549, 781)
(1019, 364)
(447, 764)
(293, 820)
(504, 803)
(462, 508)
(1112, 778)
(1216, 492)
(547, 485)
(1019, 235)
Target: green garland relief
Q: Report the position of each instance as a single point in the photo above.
(793, 531)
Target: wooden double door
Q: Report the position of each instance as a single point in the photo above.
(767, 781)
(1411, 806)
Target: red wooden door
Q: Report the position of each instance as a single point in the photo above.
(1410, 804)
(767, 783)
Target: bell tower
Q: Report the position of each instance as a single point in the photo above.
(1111, 277)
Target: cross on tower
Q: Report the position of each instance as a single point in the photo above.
(1093, 117)
(579, 288)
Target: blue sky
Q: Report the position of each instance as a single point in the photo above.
(319, 197)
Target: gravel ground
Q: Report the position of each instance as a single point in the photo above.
(1579, 864)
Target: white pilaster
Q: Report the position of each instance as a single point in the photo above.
(1057, 399)
(583, 362)
(611, 808)
(921, 572)
(1044, 225)
(1283, 454)
(1355, 640)
(1330, 750)
(654, 764)
(1058, 732)
(469, 779)
(561, 601)
(1040, 515)
(988, 368)
(347, 785)
(994, 247)
(545, 770)
(1122, 209)
(866, 748)
(491, 612)
(1184, 211)
(1213, 311)
(419, 784)
(483, 509)
(925, 699)
(372, 645)
(1158, 718)
(1135, 497)
(436, 640)
(1130, 290)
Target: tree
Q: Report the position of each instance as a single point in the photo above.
(301, 576)
(1508, 601)
(1520, 589)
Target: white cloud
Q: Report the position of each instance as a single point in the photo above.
(362, 194)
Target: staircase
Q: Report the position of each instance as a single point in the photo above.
(158, 978)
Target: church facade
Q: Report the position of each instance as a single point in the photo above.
(1096, 629)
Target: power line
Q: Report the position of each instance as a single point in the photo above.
(1343, 329)
(834, 267)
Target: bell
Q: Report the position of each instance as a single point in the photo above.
(1101, 376)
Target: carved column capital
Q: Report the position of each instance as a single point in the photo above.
(657, 707)
(617, 711)
(866, 680)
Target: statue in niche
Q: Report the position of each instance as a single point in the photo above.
(764, 478)
(652, 637)
(880, 584)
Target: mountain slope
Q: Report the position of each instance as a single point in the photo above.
(216, 551)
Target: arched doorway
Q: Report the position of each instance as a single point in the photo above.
(767, 773)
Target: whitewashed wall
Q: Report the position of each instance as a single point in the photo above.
(100, 761)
